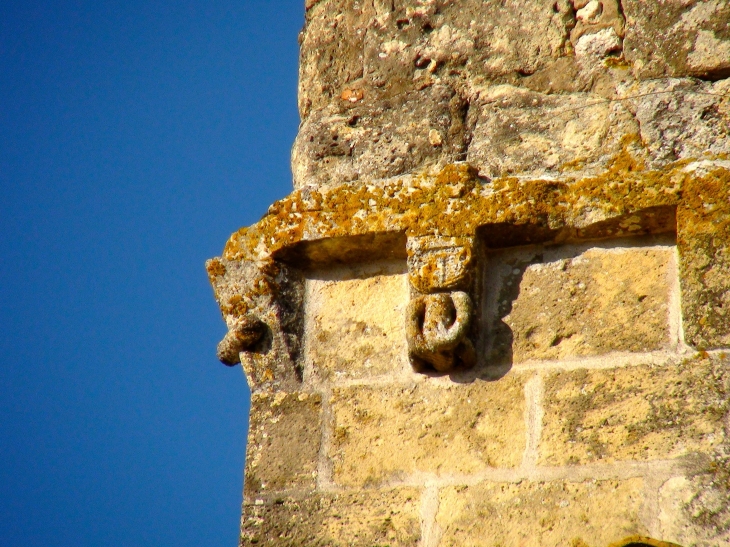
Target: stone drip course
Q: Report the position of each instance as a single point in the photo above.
(495, 310)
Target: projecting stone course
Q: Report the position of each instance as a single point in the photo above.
(386, 433)
(635, 412)
(541, 514)
(565, 302)
(283, 442)
(355, 321)
(361, 519)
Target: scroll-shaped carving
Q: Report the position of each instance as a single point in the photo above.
(261, 305)
(437, 326)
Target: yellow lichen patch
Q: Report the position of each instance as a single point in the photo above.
(455, 202)
(215, 268)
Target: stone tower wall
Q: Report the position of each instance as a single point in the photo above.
(496, 308)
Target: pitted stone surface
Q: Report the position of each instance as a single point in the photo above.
(383, 434)
(357, 519)
(636, 412)
(283, 442)
(388, 88)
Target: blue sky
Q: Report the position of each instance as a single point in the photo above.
(134, 138)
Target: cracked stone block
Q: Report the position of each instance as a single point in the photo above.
(355, 321)
(283, 442)
(635, 413)
(545, 303)
(541, 514)
(678, 38)
(362, 519)
(383, 433)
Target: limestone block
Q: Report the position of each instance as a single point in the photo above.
(519, 131)
(564, 301)
(635, 413)
(379, 137)
(385, 433)
(355, 321)
(703, 237)
(681, 119)
(363, 519)
(541, 514)
(283, 442)
(678, 38)
(695, 510)
(389, 48)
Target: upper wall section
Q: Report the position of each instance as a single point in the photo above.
(514, 87)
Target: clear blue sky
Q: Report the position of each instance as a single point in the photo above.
(134, 138)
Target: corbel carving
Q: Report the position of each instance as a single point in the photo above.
(261, 305)
(438, 317)
(440, 263)
(242, 336)
(437, 327)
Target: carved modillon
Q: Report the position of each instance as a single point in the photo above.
(438, 318)
(244, 333)
(437, 327)
(261, 303)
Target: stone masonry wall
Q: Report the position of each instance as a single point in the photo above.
(495, 311)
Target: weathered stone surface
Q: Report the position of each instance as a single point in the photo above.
(560, 302)
(678, 38)
(355, 321)
(541, 514)
(363, 519)
(680, 119)
(635, 413)
(525, 132)
(385, 433)
(347, 141)
(695, 510)
(388, 88)
(704, 249)
(283, 442)
(388, 48)
(261, 303)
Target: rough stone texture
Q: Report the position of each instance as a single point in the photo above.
(566, 301)
(355, 321)
(361, 519)
(391, 87)
(695, 511)
(704, 245)
(384, 434)
(678, 37)
(283, 442)
(541, 514)
(635, 413)
(346, 141)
